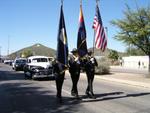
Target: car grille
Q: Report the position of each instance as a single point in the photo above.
(44, 72)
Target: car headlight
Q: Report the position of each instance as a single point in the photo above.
(36, 70)
(47, 66)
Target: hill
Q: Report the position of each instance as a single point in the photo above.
(36, 49)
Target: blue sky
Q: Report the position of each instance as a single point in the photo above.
(27, 22)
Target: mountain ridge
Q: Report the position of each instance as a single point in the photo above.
(36, 49)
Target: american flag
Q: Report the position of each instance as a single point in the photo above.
(100, 36)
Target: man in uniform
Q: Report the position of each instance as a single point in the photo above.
(74, 69)
(90, 71)
(58, 70)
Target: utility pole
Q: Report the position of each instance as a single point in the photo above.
(0, 55)
(8, 46)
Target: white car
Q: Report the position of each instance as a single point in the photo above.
(8, 62)
(38, 67)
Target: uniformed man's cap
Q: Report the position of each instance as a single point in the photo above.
(74, 50)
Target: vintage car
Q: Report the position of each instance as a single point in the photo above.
(38, 67)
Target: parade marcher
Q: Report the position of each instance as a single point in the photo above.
(139, 63)
(59, 78)
(90, 71)
(74, 69)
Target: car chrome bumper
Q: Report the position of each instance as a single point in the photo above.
(42, 76)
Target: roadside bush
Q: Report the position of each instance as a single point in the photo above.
(103, 66)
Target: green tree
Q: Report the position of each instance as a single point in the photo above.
(135, 29)
(113, 55)
(27, 53)
(134, 51)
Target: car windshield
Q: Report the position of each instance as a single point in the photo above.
(50, 59)
(39, 60)
(20, 61)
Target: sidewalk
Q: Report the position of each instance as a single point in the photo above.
(129, 68)
(127, 78)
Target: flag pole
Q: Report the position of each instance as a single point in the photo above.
(97, 2)
(62, 2)
(80, 2)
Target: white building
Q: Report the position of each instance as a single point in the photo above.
(135, 62)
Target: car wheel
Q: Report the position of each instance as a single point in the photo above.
(33, 78)
(25, 75)
(15, 69)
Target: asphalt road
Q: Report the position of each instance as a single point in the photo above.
(27, 96)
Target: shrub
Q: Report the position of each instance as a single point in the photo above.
(103, 66)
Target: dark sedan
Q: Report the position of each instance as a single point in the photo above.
(19, 64)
